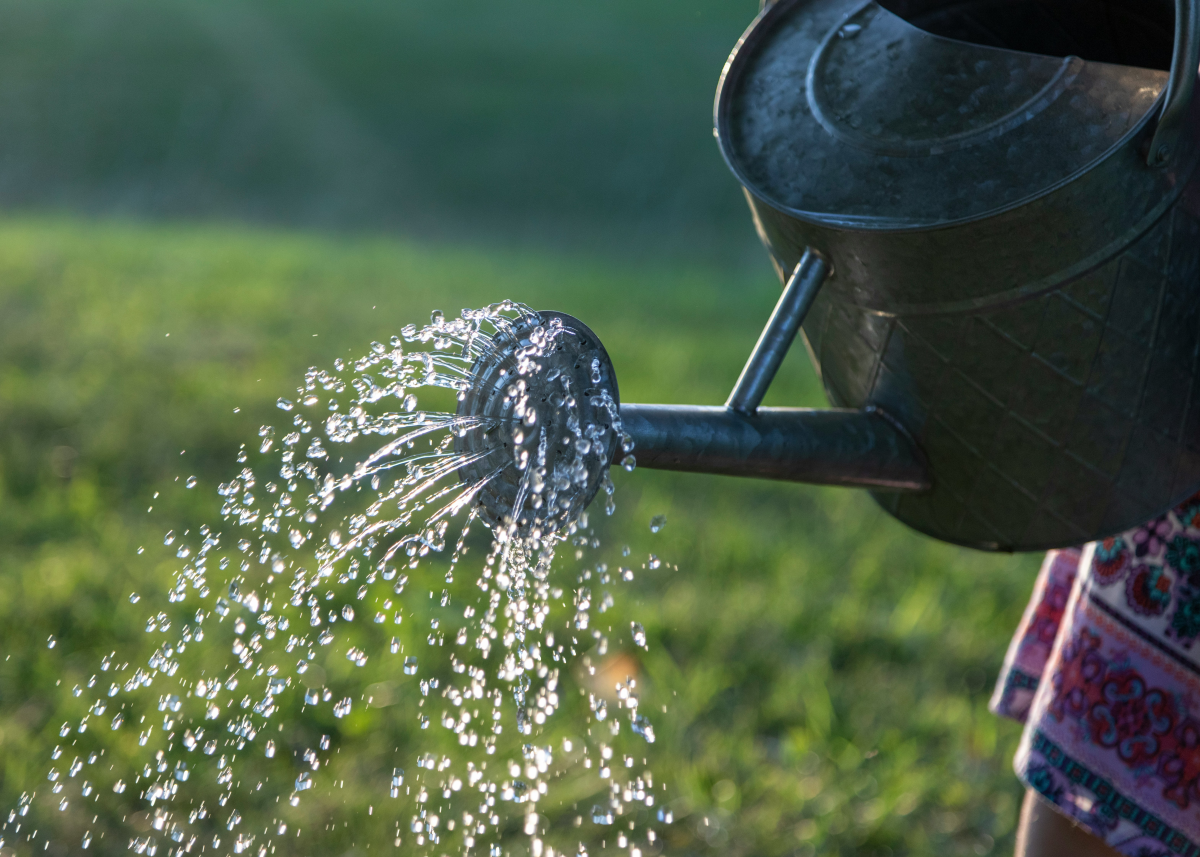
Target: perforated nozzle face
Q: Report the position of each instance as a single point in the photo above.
(543, 414)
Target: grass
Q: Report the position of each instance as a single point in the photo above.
(825, 670)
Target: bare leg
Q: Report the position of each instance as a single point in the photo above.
(1045, 832)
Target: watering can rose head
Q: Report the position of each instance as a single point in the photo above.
(539, 424)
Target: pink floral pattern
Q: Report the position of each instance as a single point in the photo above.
(1112, 560)
(1103, 673)
(1031, 645)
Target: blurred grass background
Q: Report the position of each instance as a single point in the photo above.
(276, 184)
(570, 124)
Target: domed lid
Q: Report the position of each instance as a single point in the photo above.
(844, 113)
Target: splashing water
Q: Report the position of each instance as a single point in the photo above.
(304, 621)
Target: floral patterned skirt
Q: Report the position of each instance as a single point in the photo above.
(1104, 671)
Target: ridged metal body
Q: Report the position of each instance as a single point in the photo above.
(1016, 275)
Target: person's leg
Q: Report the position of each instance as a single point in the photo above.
(1045, 832)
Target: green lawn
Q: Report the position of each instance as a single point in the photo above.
(825, 670)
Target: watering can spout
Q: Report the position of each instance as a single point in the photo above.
(863, 448)
(536, 468)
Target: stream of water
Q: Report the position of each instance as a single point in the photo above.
(356, 585)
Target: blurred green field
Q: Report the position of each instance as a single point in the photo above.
(578, 125)
(825, 671)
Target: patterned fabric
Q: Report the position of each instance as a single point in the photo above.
(1105, 675)
(1030, 647)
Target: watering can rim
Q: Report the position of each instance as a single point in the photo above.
(1167, 115)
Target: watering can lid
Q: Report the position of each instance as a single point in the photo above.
(844, 113)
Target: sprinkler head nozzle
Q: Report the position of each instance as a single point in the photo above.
(541, 424)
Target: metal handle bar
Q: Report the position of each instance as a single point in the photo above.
(798, 295)
(1185, 63)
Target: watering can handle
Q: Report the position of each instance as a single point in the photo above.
(1185, 62)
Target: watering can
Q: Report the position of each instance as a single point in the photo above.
(987, 220)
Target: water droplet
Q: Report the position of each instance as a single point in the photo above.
(304, 781)
(134, 598)
(639, 634)
(284, 404)
(629, 463)
(410, 665)
(657, 523)
(191, 482)
(653, 562)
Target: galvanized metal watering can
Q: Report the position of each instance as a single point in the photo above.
(988, 223)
